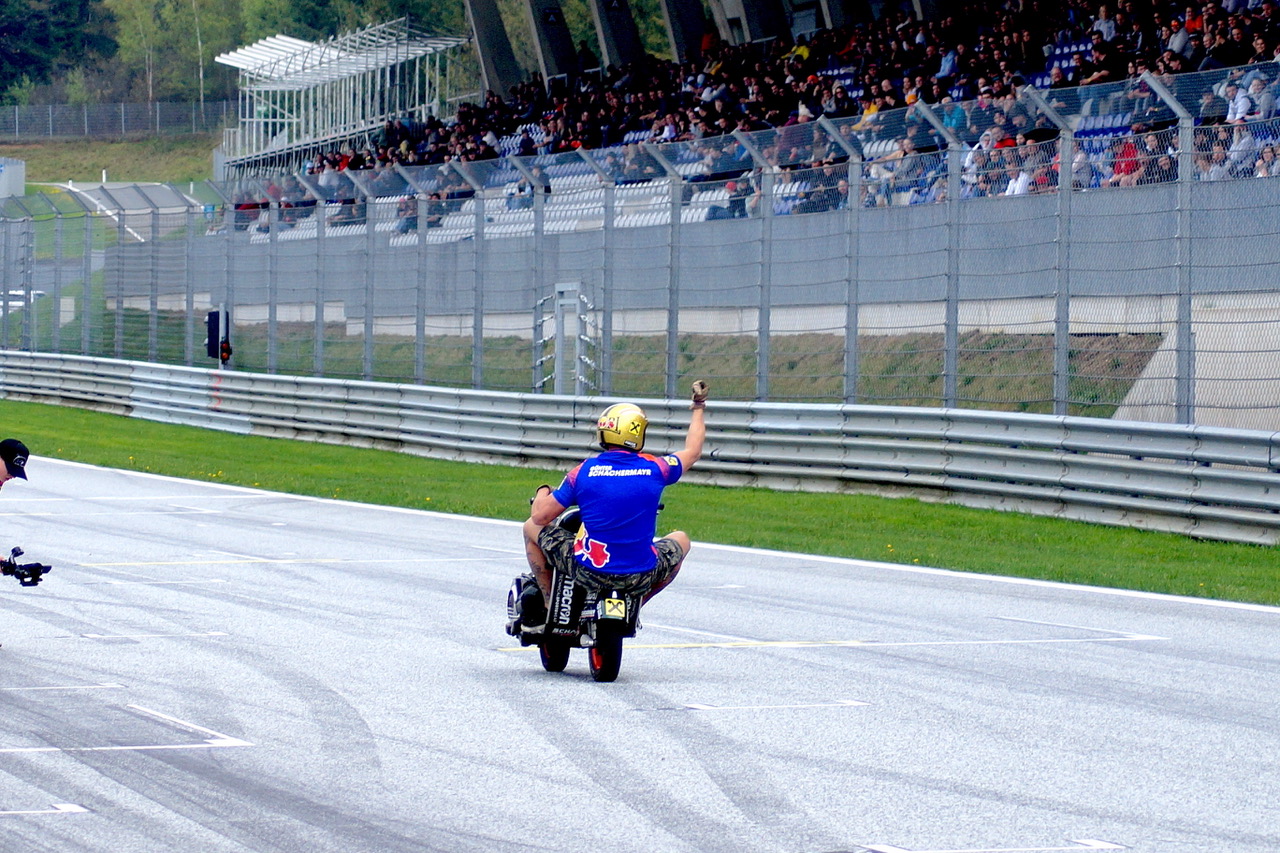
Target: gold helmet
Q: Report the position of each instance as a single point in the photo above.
(622, 425)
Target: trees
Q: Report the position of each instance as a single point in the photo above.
(41, 37)
(158, 50)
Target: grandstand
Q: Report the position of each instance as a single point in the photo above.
(298, 98)
(836, 204)
(1115, 140)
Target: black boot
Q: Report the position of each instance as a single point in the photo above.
(533, 607)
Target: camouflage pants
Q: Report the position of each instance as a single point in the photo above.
(557, 544)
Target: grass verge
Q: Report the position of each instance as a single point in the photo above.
(889, 530)
(176, 159)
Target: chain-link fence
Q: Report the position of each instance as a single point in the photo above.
(926, 256)
(114, 121)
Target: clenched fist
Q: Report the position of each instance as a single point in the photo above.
(700, 391)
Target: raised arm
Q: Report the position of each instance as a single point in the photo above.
(697, 434)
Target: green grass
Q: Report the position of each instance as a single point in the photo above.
(175, 159)
(890, 530)
(1004, 372)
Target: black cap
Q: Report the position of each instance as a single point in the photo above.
(14, 453)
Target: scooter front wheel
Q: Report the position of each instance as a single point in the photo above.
(605, 657)
(554, 654)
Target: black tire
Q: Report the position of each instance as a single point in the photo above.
(554, 654)
(605, 657)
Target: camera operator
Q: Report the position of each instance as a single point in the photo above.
(14, 453)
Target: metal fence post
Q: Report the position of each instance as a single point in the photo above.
(420, 292)
(1185, 354)
(1062, 292)
(1062, 289)
(480, 250)
(318, 327)
(673, 269)
(1184, 393)
(6, 264)
(273, 279)
(951, 329)
(7, 252)
(29, 314)
(853, 206)
(609, 238)
(228, 266)
(22, 261)
(153, 295)
(86, 288)
(567, 335)
(606, 273)
(764, 315)
(370, 276)
(122, 233)
(420, 298)
(189, 289)
(539, 252)
(59, 255)
(317, 320)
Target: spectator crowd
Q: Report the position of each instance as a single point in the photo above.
(970, 65)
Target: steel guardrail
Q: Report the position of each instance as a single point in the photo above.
(1208, 482)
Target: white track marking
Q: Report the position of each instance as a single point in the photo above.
(698, 633)
(978, 576)
(843, 703)
(133, 498)
(1128, 635)
(57, 808)
(68, 687)
(800, 644)
(1082, 844)
(138, 636)
(289, 561)
(115, 513)
(148, 583)
(213, 740)
(221, 739)
(249, 492)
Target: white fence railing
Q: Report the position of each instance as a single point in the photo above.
(1202, 481)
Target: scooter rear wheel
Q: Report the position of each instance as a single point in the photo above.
(605, 657)
(554, 654)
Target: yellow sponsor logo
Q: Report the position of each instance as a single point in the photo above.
(615, 608)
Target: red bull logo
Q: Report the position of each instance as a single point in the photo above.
(591, 550)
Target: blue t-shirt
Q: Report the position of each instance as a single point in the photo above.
(618, 492)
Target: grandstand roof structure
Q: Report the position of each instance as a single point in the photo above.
(286, 63)
(297, 96)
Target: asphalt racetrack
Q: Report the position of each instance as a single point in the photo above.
(215, 669)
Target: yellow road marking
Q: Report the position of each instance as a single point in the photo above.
(737, 644)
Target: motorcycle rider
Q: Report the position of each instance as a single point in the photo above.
(617, 492)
